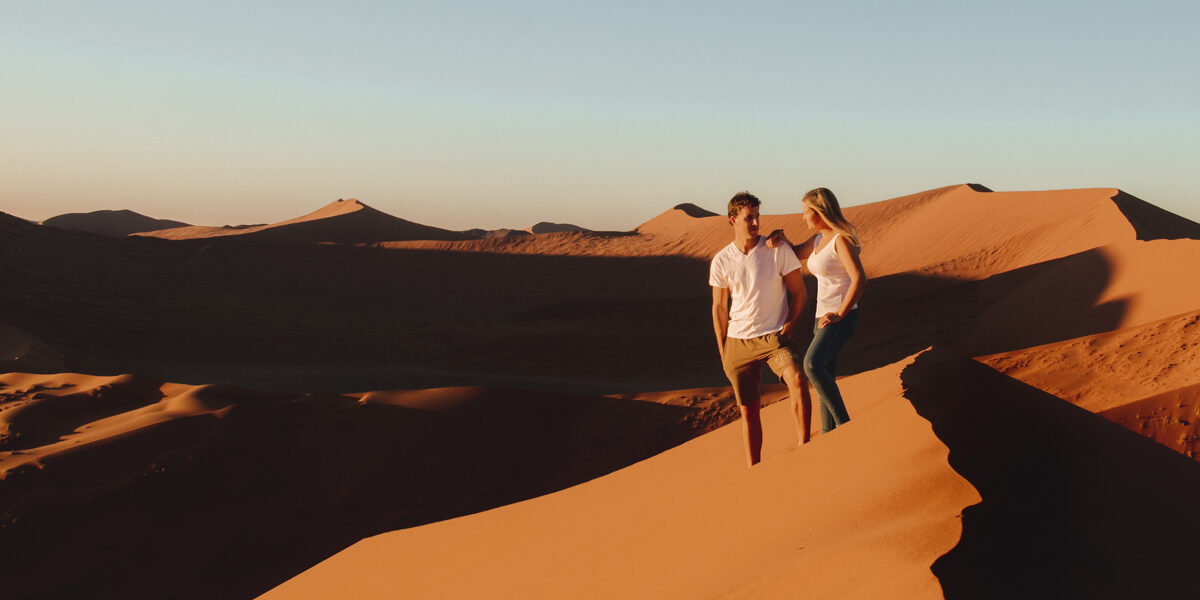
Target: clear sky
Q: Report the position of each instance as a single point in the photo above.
(602, 114)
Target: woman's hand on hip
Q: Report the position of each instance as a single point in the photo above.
(828, 319)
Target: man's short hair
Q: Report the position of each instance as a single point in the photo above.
(742, 200)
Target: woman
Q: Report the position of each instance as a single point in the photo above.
(832, 256)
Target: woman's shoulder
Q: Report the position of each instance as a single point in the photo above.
(845, 245)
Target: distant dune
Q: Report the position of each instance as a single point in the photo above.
(495, 234)
(510, 414)
(346, 221)
(22, 352)
(545, 227)
(111, 223)
(692, 210)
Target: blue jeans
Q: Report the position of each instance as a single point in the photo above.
(820, 364)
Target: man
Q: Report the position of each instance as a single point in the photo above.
(767, 293)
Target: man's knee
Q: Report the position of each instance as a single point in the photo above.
(794, 377)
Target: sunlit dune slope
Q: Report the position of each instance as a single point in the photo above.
(1109, 369)
(1145, 377)
(1098, 290)
(989, 488)
(861, 513)
(963, 231)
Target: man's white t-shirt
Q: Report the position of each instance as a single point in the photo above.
(755, 282)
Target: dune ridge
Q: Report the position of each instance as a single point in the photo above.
(341, 221)
(547, 227)
(112, 223)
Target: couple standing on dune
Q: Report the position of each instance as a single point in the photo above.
(758, 294)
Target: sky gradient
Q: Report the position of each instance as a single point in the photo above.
(502, 114)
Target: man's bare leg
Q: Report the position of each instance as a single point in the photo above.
(752, 431)
(801, 402)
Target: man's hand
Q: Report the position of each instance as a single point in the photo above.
(788, 329)
(720, 315)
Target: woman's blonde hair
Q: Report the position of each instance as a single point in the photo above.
(825, 204)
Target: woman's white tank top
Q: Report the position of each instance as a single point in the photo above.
(833, 281)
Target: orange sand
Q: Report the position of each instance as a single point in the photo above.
(544, 415)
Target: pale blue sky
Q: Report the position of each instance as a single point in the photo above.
(602, 114)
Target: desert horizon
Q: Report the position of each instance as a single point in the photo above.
(349, 403)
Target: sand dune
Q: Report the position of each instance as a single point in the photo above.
(547, 227)
(693, 522)
(1069, 500)
(1171, 418)
(344, 221)
(112, 223)
(1106, 370)
(1145, 377)
(964, 232)
(292, 398)
(165, 483)
(861, 514)
(967, 234)
(20, 351)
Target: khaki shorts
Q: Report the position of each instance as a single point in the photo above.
(743, 361)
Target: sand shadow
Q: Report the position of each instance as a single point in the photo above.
(232, 507)
(1153, 223)
(1073, 506)
(349, 318)
(1038, 304)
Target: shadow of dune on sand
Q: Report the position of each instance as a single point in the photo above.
(230, 507)
(176, 311)
(1039, 304)
(1073, 506)
(1153, 223)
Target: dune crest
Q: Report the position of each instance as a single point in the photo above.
(111, 223)
(547, 227)
(345, 221)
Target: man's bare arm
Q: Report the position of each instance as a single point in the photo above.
(720, 314)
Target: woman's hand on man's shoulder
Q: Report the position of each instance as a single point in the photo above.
(776, 239)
